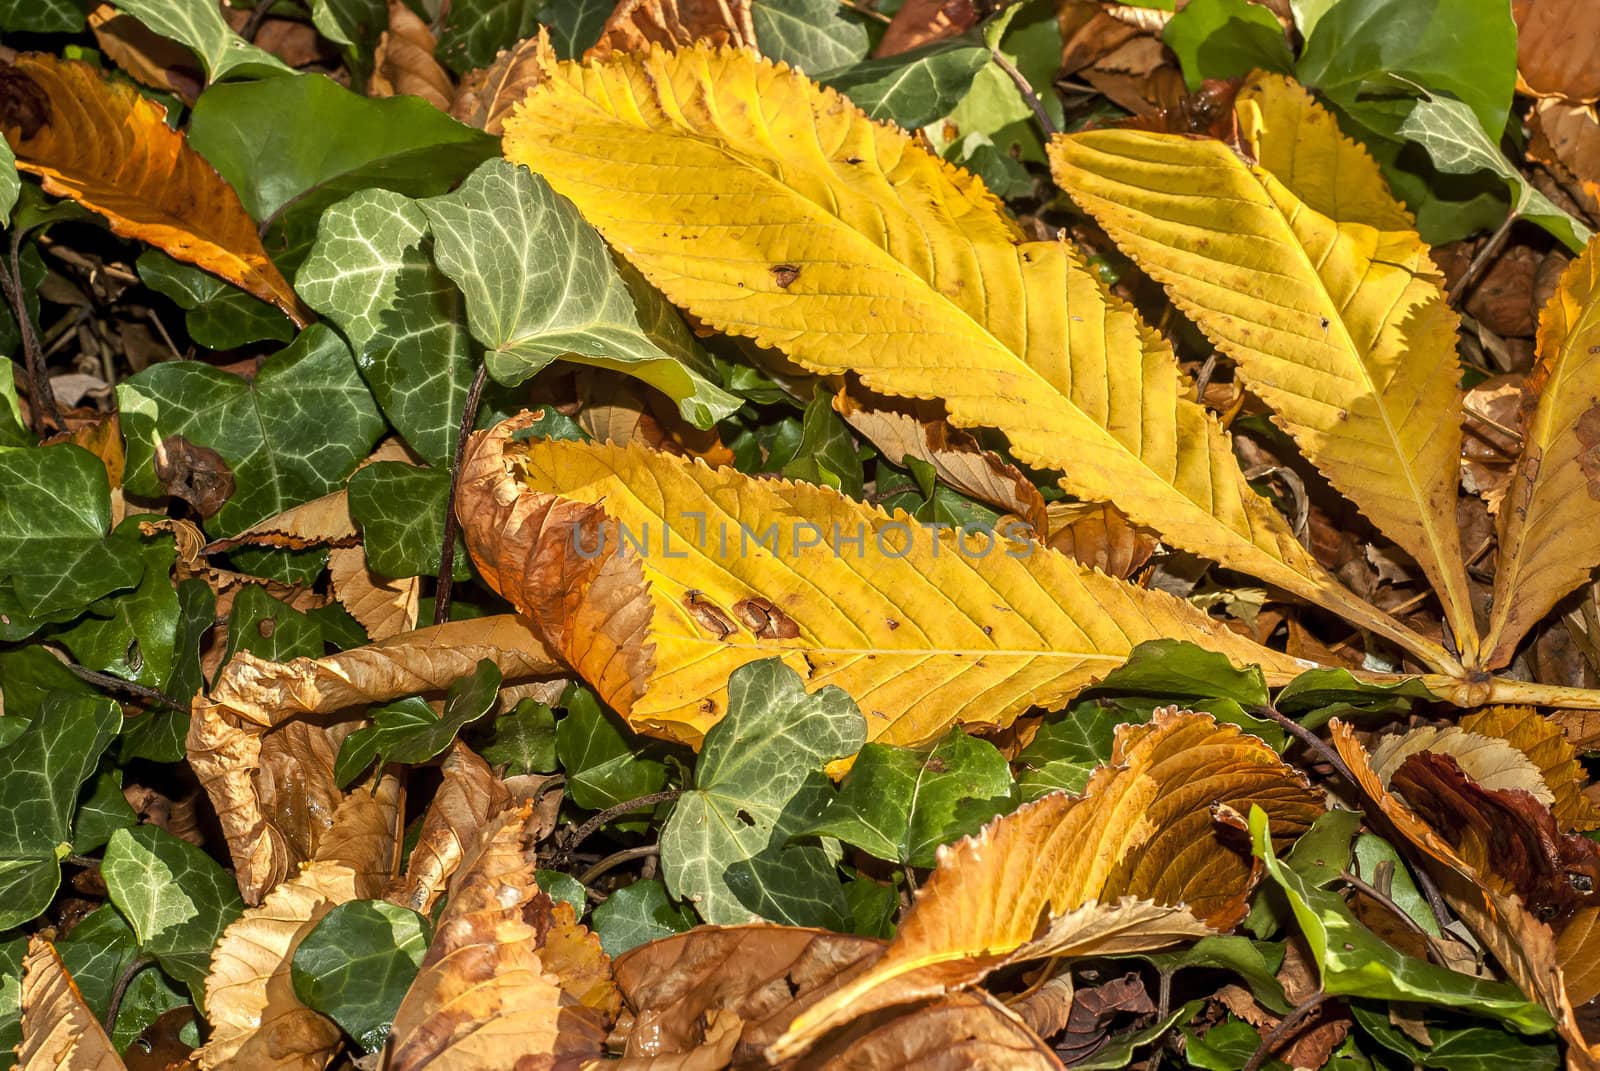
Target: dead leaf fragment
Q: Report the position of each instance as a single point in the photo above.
(404, 62)
(486, 96)
(469, 798)
(1555, 57)
(1566, 138)
(636, 25)
(59, 1032)
(1100, 536)
(196, 474)
(108, 148)
(1492, 762)
(146, 55)
(1096, 1008)
(1542, 740)
(385, 607)
(921, 22)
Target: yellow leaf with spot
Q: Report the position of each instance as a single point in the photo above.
(1305, 270)
(772, 208)
(656, 577)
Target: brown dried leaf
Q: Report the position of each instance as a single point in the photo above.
(1493, 437)
(404, 65)
(486, 96)
(324, 520)
(146, 55)
(1100, 536)
(1566, 137)
(196, 474)
(1047, 1008)
(1542, 740)
(1490, 761)
(255, 785)
(922, 22)
(901, 427)
(636, 25)
(59, 1032)
(108, 148)
(487, 996)
(616, 410)
(385, 607)
(1555, 53)
(1096, 1008)
(465, 803)
(1136, 862)
(963, 1032)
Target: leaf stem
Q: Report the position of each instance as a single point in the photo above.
(114, 1004)
(1032, 98)
(1291, 1024)
(616, 859)
(41, 395)
(1480, 260)
(117, 684)
(639, 803)
(447, 550)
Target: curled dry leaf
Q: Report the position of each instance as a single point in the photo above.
(1099, 536)
(108, 148)
(253, 696)
(256, 1020)
(467, 801)
(385, 607)
(636, 25)
(1542, 740)
(488, 995)
(1136, 862)
(1493, 763)
(486, 95)
(917, 428)
(962, 1032)
(146, 55)
(322, 521)
(1566, 138)
(59, 1032)
(937, 628)
(1554, 53)
(617, 410)
(404, 63)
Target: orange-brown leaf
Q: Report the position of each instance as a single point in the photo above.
(469, 798)
(1547, 747)
(404, 64)
(59, 1032)
(636, 25)
(486, 96)
(108, 148)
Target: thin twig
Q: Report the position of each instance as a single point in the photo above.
(1027, 92)
(1312, 741)
(114, 1004)
(1273, 1040)
(447, 550)
(1481, 259)
(583, 832)
(862, 9)
(41, 395)
(117, 684)
(259, 15)
(1399, 912)
(616, 859)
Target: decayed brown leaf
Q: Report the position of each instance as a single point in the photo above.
(1493, 763)
(146, 55)
(106, 147)
(1566, 137)
(404, 63)
(1136, 862)
(259, 804)
(385, 607)
(1100, 536)
(1095, 1007)
(59, 1032)
(468, 799)
(616, 410)
(902, 427)
(488, 995)
(1555, 53)
(322, 521)
(257, 1022)
(921, 22)
(486, 96)
(636, 25)
(1541, 739)
(962, 1032)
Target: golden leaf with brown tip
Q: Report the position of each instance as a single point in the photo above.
(108, 148)
(59, 1032)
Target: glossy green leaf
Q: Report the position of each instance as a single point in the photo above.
(605, 765)
(104, 811)
(476, 30)
(1174, 671)
(1226, 39)
(1323, 852)
(1378, 864)
(175, 896)
(55, 516)
(1320, 695)
(159, 735)
(1225, 1047)
(322, 144)
(872, 905)
(10, 182)
(759, 781)
(574, 25)
(400, 510)
(1471, 1048)
(11, 953)
(370, 274)
(410, 732)
(636, 914)
(13, 432)
(220, 316)
(97, 952)
(1119, 1049)
(41, 16)
(916, 87)
(816, 36)
(133, 634)
(1256, 962)
(198, 25)
(39, 794)
(563, 889)
(540, 285)
(823, 453)
(522, 740)
(1449, 130)
(900, 804)
(1067, 749)
(355, 25)
(293, 434)
(357, 963)
(270, 628)
(1352, 961)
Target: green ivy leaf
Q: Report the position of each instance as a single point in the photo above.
(563, 889)
(55, 516)
(104, 812)
(270, 628)
(40, 16)
(159, 735)
(38, 796)
(759, 781)
(177, 899)
(1226, 39)
(823, 452)
(132, 635)
(523, 741)
(476, 30)
(357, 963)
(410, 732)
(294, 434)
(369, 272)
(636, 914)
(96, 953)
(323, 144)
(540, 285)
(914, 88)
(900, 804)
(1353, 961)
(575, 25)
(400, 509)
(604, 765)
(1065, 751)
(198, 25)
(355, 25)
(1471, 1048)
(11, 953)
(816, 36)
(10, 182)
(13, 432)
(220, 316)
